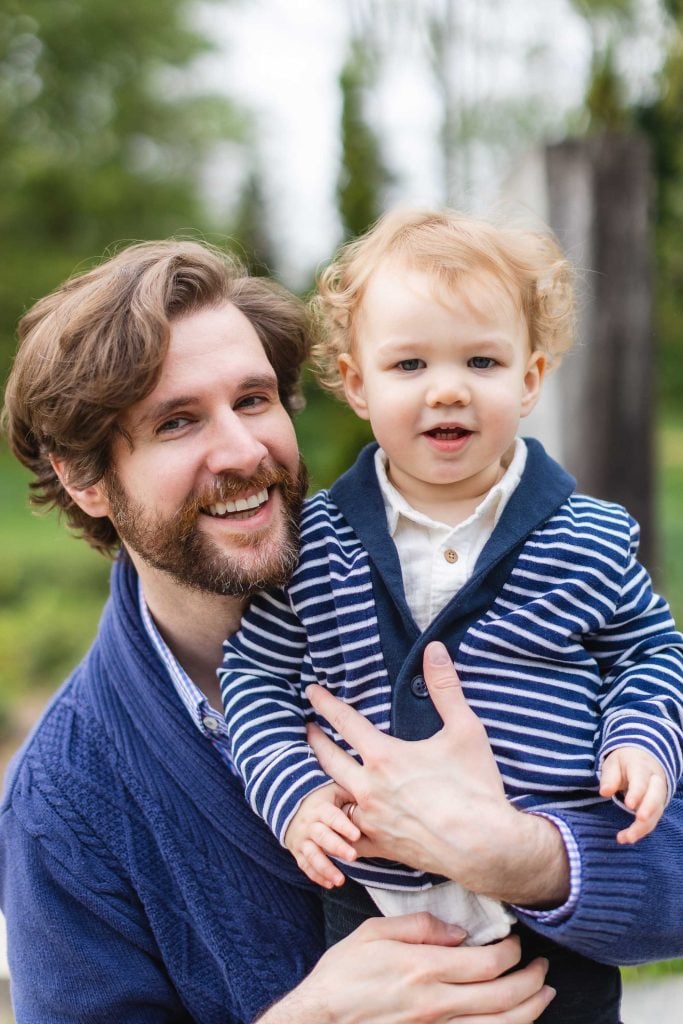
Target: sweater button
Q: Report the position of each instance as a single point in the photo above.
(419, 687)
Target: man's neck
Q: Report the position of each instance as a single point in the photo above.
(193, 624)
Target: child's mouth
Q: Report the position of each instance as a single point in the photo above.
(448, 433)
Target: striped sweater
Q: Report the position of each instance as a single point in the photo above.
(563, 649)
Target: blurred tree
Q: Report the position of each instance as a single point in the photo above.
(608, 21)
(102, 135)
(249, 227)
(662, 121)
(363, 177)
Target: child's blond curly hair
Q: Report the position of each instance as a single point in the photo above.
(450, 246)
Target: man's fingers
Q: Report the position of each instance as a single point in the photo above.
(334, 761)
(443, 684)
(345, 720)
(417, 929)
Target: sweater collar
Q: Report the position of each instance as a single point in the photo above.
(543, 487)
(124, 662)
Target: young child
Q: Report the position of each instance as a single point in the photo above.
(438, 329)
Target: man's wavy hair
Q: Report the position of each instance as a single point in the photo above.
(451, 247)
(96, 345)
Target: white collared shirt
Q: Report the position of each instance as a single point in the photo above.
(436, 559)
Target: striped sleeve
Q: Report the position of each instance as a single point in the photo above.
(640, 654)
(260, 680)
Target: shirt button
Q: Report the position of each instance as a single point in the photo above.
(210, 723)
(450, 555)
(419, 687)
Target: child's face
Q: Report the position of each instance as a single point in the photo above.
(443, 381)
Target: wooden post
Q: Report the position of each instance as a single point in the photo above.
(598, 195)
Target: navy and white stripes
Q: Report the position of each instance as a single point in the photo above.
(575, 656)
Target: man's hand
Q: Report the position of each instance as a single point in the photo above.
(403, 970)
(439, 804)
(641, 778)
(320, 827)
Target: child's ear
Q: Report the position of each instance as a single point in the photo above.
(352, 379)
(533, 378)
(91, 499)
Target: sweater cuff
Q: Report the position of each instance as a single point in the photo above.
(558, 914)
(612, 891)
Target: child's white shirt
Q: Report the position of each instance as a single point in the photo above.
(436, 559)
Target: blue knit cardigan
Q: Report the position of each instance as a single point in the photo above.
(137, 884)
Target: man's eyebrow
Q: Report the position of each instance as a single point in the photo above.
(162, 409)
(263, 381)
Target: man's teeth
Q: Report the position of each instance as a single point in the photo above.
(222, 508)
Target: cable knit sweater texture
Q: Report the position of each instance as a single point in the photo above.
(137, 884)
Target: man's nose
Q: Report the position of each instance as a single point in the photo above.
(447, 389)
(233, 447)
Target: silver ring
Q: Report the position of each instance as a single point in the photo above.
(352, 808)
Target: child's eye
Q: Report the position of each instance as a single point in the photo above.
(411, 364)
(481, 362)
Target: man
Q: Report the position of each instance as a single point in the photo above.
(150, 398)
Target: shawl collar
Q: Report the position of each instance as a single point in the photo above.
(132, 692)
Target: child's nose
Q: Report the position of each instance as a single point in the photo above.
(448, 389)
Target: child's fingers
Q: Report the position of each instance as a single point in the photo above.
(318, 866)
(648, 812)
(331, 842)
(638, 779)
(334, 818)
(633, 833)
(611, 777)
(652, 805)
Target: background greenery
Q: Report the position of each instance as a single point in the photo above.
(104, 133)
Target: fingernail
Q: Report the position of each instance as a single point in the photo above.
(456, 931)
(437, 654)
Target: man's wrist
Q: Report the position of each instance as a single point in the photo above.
(536, 873)
(300, 1005)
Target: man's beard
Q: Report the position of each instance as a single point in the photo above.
(178, 547)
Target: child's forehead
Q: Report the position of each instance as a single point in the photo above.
(478, 286)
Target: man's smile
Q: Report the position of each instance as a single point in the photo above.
(240, 508)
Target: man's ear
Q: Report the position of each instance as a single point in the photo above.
(91, 499)
(533, 378)
(352, 379)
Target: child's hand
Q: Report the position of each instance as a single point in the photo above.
(641, 779)
(319, 827)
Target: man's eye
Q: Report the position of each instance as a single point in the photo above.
(175, 423)
(411, 364)
(481, 362)
(251, 401)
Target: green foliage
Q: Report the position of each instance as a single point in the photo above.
(250, 226)
(52, 589)
(363, 177)
(330, 435)
(662, 121)
(101, 135)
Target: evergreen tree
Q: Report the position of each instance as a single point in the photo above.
(101, 135)
(363, 177)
